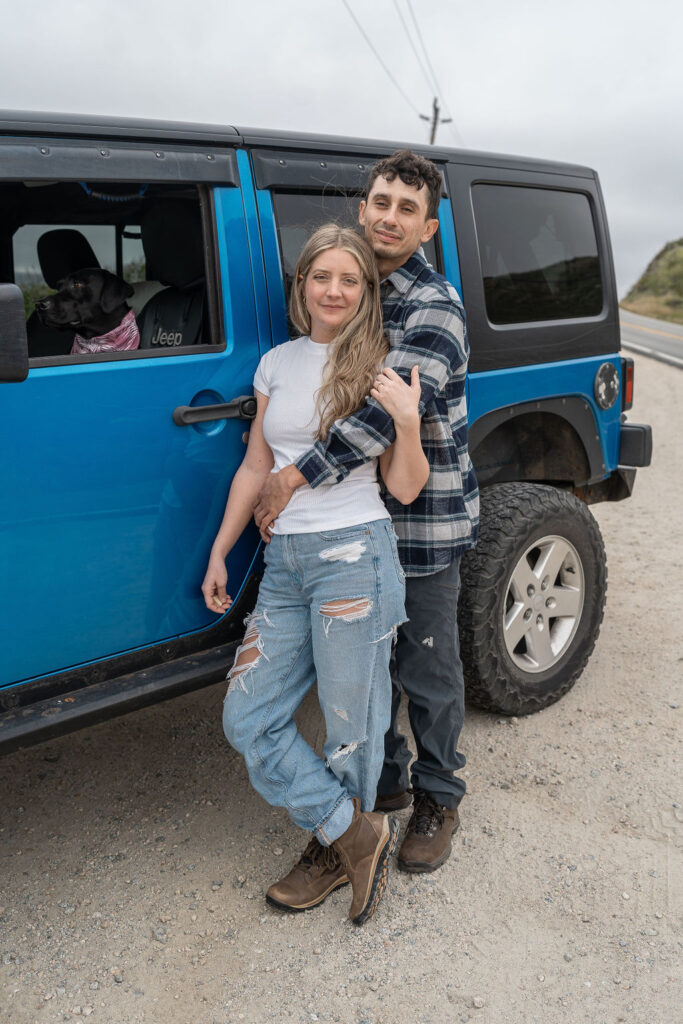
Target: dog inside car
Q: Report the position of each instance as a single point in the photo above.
(93, 303)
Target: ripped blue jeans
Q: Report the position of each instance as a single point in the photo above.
(327, 609)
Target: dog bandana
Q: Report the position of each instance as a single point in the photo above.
(122, 338)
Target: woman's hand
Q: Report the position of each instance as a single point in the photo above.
(400, 400)
(403, 465)
(213, 587)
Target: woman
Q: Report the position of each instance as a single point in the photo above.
(333, 591)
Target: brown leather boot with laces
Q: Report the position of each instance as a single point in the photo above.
(427, 843)
(317, 873)
(365, 849)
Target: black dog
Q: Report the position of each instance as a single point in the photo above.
(93, 303)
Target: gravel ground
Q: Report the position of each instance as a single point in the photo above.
(135, 855)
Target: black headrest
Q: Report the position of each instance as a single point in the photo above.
(63, 251)
(173, 244)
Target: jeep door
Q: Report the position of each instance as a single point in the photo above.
(110, 506)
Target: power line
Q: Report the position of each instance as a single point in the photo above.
(430, 84)
(386, 69)
(438, 89)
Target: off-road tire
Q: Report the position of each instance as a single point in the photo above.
(513, 516)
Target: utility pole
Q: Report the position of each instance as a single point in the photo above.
(435, 120)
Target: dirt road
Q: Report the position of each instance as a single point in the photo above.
(135, 855)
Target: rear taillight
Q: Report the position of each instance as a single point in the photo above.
(627, 383)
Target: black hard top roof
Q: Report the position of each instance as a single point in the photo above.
(53, 125)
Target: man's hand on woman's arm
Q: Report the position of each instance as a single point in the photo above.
(274, 495)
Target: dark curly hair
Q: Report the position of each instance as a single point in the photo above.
(412, 170)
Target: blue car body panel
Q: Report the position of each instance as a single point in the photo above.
(499, 389)
(449, 246)
(273, 267)
(113, 508)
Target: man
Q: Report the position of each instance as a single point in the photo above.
(425, 324)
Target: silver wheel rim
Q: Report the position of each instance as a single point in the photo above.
(543, 604)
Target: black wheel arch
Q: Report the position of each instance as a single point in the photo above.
(552, 441)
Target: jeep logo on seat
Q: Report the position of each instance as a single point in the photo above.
(167, 337)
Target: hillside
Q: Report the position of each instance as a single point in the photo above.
(659, 292)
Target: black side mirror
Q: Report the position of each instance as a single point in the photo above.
(13, 341)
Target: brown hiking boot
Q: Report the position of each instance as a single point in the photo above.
(427, 843)
(393, 801)
(364, 849)
(317, 873)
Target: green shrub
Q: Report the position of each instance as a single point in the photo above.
(33, 293)
(664, 275)
(134, 271)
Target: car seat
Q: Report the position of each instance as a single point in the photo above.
(142, 293)
(61, 251)
(173, 243)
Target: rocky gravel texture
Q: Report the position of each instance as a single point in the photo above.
(134, 855)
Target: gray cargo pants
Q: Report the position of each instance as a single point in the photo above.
(427, 666)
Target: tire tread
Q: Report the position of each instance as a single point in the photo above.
(504, 508)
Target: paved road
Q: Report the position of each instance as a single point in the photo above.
(658, 339)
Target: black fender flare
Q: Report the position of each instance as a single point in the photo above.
(574, 409)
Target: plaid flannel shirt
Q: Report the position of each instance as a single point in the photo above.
(425, 323)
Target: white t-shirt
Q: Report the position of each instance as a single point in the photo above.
(290, 376)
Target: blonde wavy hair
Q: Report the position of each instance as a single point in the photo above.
(358, 351)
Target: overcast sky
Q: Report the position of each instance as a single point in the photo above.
(596, 82)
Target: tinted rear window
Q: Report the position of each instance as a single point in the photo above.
(538, 252)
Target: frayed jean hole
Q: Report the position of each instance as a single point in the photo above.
(248, 654)
(343, 752)
(347, 609)
(246, 659)
(350, 552)
(391, 634)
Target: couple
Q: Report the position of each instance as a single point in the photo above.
(334, 589)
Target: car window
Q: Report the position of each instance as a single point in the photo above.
(144, 244)
(28, 273)
(538, 252)
(297, 216)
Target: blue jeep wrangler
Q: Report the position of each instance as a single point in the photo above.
(116, 464)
